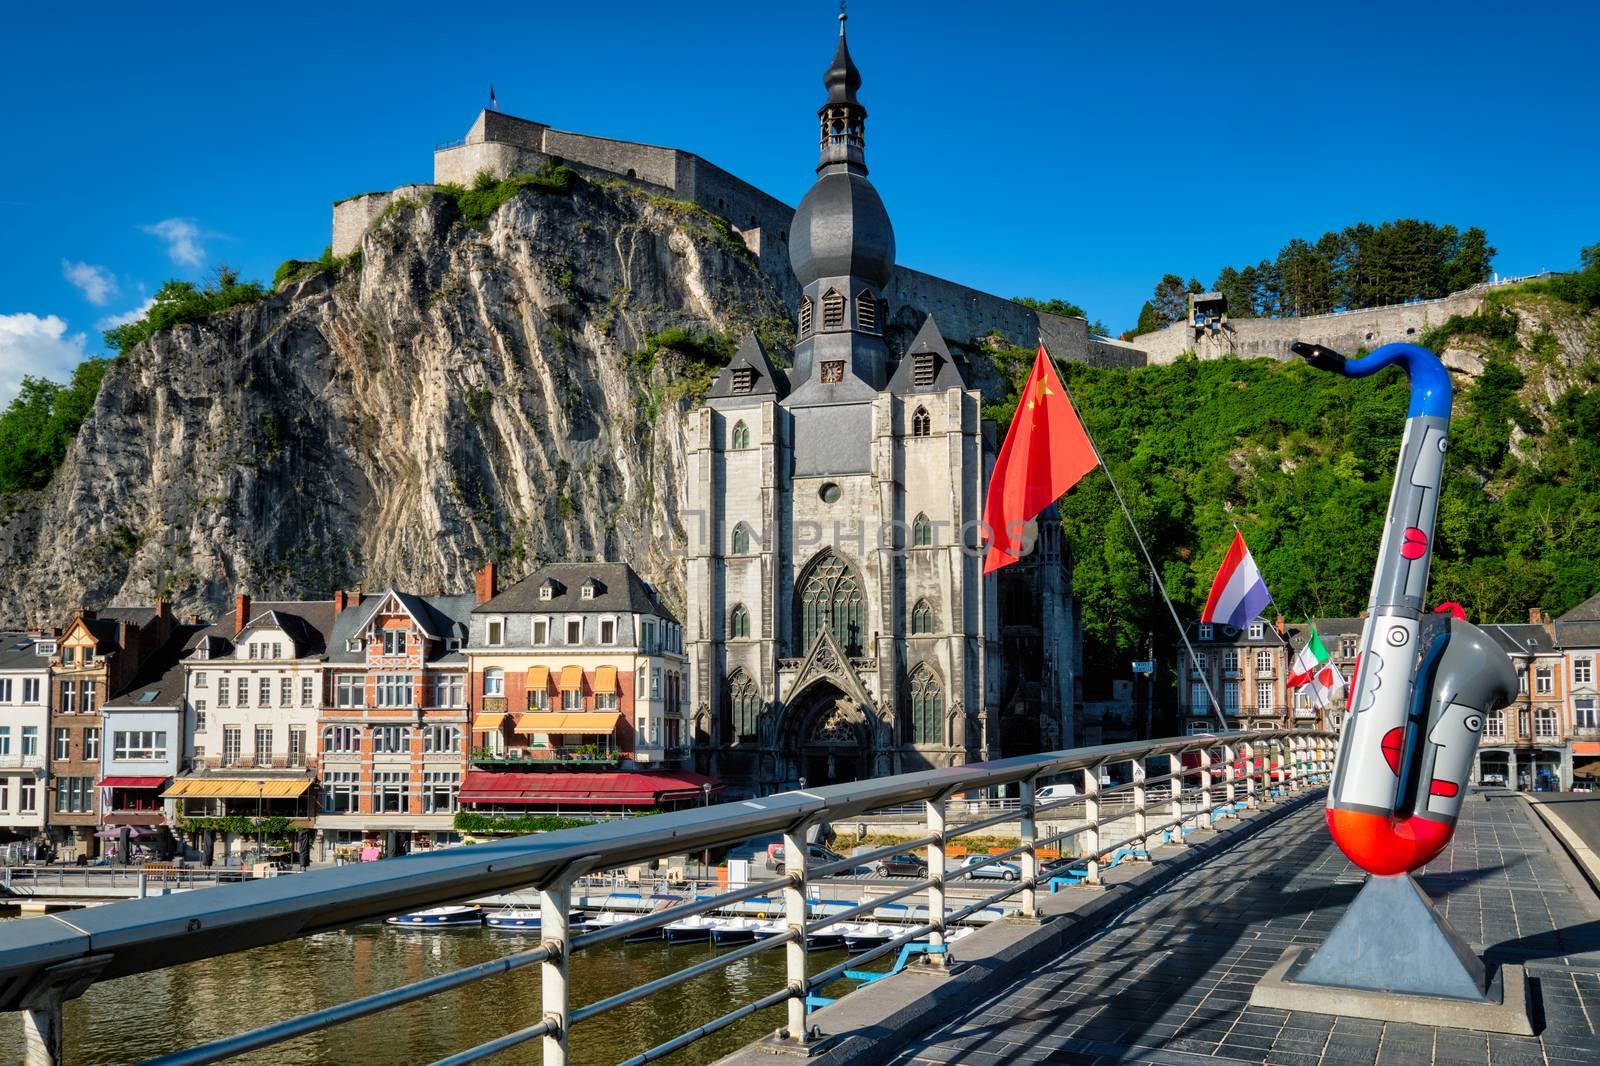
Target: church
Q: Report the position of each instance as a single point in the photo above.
(840, 626)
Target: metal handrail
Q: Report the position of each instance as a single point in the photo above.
(46, 960)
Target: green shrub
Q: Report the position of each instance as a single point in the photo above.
(291, 271)
(178, 302)
(481, 201)
(473, 822)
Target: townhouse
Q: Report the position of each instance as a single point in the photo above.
(253, 686)
(1526, 746)
(97, 656)
(393, 734)
(1577, 634)
(579, 687)
(24, 723)
(1247, 670)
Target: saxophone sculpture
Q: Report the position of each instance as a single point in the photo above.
(1419, 696)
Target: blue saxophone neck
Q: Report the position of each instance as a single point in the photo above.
(1430, 381)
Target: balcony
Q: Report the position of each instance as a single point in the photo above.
(251, 762)
(575, 755)
(21, 762)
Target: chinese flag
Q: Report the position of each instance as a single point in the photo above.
(1047, 451)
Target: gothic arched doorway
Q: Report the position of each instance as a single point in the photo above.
(826, 738)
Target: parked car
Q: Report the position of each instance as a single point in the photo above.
(815, 855)
(903, 866)
(1055, 792)
(1003, 871)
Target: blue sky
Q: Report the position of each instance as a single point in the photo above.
(1027, 149)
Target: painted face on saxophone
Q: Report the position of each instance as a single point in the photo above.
(1413, 713)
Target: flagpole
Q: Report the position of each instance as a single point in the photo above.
(1183, 634)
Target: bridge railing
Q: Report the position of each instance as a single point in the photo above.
(46, 961)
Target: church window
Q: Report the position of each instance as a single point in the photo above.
(923, 367)
(832, 372)
(741, 435)
(921, 532)
(805, 316)
(830, 595)
(829, 493)
(866, 312)
(744, 378)
(921, 424)
(927, 707)
(741, 539)
(922, 618)
(832, 310)
(739, 622)
(744, 701)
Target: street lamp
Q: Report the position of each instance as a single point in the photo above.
(705, 791)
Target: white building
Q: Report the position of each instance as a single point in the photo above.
(24, 722)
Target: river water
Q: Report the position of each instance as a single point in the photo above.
(135, 1018)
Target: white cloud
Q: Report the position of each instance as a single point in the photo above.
(40, 347)
(112, 321)
(95, 282)
(183, 240)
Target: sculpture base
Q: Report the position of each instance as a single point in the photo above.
(1393, 957)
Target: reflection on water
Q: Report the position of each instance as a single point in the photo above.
(132, 1019)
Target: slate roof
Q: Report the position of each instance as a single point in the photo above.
(947, 372)
(17, 653)
(1580, 627)
(307, 623)
(1522, 638)
(440, 618)
(769, 380)
(159, 683)
(623, 590)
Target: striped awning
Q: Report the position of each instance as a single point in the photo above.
(605, 679)
(587, 722)
(210, 787)
(538, 678)
(488, 720)
(571, 678)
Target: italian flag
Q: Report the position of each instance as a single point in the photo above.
(1313, 666)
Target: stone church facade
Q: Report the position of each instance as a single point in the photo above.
(840, 624)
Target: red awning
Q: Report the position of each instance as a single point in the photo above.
(132, 782)
(598, 789)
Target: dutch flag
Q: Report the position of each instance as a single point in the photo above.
(1238, 595)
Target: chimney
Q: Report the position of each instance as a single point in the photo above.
(355, 597)
(341, 600)
(241, 612)
(1279, 625)
(163, 607)
(1538, 617)
(86, 613)
(487, 583)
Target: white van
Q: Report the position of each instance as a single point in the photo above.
(1055, 792)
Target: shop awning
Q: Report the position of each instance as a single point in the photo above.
(590, 723)
(132, 782)
(538, 678)
(488, 720)
(584, 789)
(209, 787)
(605, 679)
(571, 678)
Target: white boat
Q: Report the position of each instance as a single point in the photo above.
(690, 930)
(864, 936)
(736, 930)
(526, 919)
(439, 917)
(606, 919)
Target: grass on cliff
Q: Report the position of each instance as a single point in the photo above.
(488, 193)
(178, 302)
(291, 271)
(702, 357)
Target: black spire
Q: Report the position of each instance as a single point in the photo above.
(844, 120)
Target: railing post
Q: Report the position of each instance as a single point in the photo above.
(1207, 804)
(795, 861)
(936, 871)
(1175, 770)
(1141, 824)
(1091, 811)
(1030, 856)
(1279, 744)
(1230, 790)
(555, 905)
(1297, 763)
(41, 1030)
(1248, 751)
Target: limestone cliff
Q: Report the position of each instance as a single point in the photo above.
(455, 394)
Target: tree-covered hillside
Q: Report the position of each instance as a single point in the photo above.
(1302, 462)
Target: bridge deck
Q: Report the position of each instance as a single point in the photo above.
(1170, 982)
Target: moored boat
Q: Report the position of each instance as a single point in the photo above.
(439, 917)
(736, 930)
(526, 919)
(689, 930)
(606, 919)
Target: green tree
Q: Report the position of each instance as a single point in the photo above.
(178, 302)
(40, 424)
(1065, 309)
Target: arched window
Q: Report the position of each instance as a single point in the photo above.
(866, 312)
(830, 595)
(922, 532)
(741, 539)
(921, 424)
(741, 435)
(494, 681)
(832, 310)
(739, 621)
(927, 706)
(744, 703)
(922, 618)
(805, 316)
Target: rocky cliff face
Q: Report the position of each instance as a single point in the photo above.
(457, 395)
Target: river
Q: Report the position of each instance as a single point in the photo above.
(135, 1018)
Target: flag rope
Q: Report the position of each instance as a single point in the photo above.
(1183, 634)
